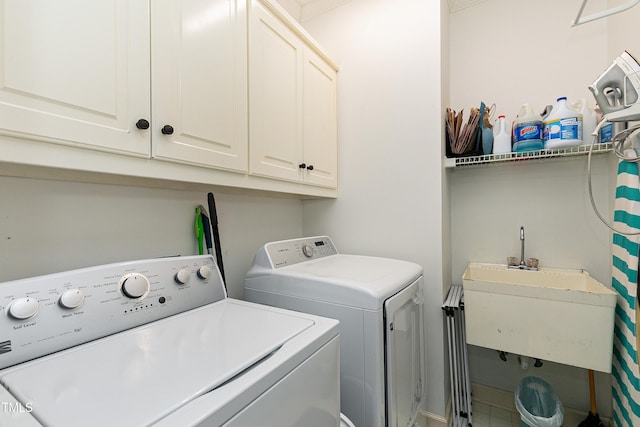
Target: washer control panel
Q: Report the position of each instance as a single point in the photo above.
(45, 314)
(289, 252)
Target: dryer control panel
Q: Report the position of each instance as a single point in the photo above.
(45, 314)
(289, 252)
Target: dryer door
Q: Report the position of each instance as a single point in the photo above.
(404, 355)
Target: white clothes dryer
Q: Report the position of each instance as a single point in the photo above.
(379, 304)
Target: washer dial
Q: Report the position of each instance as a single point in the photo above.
(135, 285)
(23, 308)
(71, 298)
(204, 272)
(182, 276)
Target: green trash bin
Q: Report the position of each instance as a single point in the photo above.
(538, 403)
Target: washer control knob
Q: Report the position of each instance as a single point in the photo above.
(204, 272)
(182, 276)
(307, 250)
(135, 285)
(23, 308)
(71, 298)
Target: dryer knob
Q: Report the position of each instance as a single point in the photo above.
(182, 276)
(307, 250)
(71, 298)
(135, 285)
(23, 308)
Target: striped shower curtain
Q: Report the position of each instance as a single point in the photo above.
(626, 375)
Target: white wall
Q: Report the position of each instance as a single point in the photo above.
(622, 31)
(390, 151)
(50, 226)
(511, 52)
(523, 51)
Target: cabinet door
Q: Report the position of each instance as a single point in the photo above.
(199, 76)
(275, 135)
(319, 123)
(75, 72)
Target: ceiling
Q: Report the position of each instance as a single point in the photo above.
(302, 10)
(456, 5)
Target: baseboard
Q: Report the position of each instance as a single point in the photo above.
(428, 419)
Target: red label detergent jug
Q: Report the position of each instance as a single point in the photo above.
(527, 130)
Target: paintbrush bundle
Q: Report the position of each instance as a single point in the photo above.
(462, 139)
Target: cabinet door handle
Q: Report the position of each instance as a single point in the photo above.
(310, 167)
(167, 130)
(142, 124)
(302, 165)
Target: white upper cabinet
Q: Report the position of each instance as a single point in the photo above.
(292, 103)
(275, 97)
(230, 93)
(75, 72)
(319, 124)
(106, 74)
(199, 82)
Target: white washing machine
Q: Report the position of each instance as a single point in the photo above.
(378, 302)
(157, 342)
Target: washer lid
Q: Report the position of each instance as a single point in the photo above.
(139, 376)
(353, 280)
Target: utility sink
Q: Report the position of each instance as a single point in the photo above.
(559, 315)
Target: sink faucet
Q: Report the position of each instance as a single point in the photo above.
(528, 264)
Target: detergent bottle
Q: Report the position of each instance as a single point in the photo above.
(501, 136)
(563, 126)
(527, 130)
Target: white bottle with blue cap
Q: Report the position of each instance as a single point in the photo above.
(563, 126)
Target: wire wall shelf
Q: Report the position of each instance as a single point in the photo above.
(528, 155)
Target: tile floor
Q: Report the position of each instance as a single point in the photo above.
(492, 416)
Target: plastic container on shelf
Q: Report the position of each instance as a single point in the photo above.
(589, 120)
(501, 136)
(527, 130)
(611, 129)
(563, 126)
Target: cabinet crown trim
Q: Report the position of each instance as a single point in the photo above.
(291, 22)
